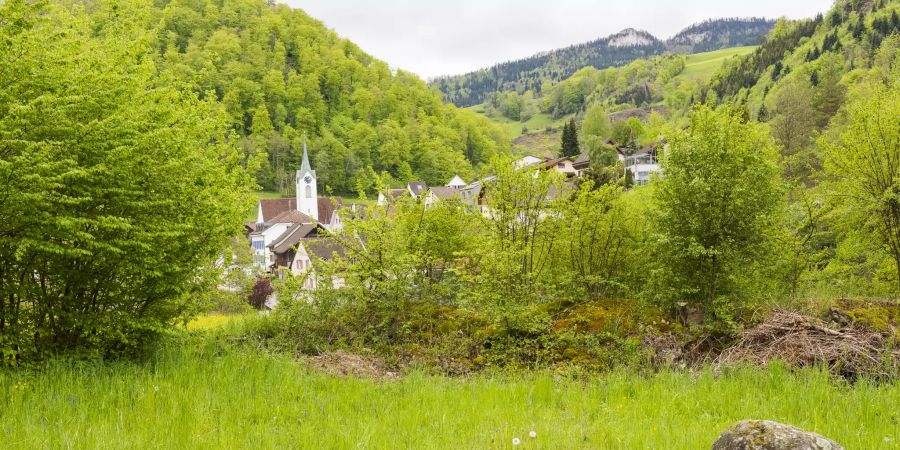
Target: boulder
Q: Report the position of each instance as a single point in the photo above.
(768, 435)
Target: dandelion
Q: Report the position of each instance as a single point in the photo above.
(516, 441)
(533, 434)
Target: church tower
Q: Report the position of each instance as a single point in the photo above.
(307, 196)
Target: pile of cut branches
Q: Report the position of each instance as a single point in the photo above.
(802, 341)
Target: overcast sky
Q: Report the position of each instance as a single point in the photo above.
(441, 37)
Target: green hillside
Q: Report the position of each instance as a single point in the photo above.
(283, 77)
(702, 66)
(655, 81)
(515, 128)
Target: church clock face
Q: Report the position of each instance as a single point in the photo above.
(307, 179)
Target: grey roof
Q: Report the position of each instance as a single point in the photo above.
(324, 249)
(304, 166)
(395, 193)
(292, 236)
(444, 192)
(583, 160)
(417, 187)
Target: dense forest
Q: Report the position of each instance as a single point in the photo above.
(532, 74)
(284, 77)
(716, 34)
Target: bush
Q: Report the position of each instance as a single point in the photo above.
(119, 194)
(262, 289)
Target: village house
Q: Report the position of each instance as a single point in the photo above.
(564, 165)
(642, 165)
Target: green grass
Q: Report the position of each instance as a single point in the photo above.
(701, 66)
(215, 320)
(203, 395)
(538, 122)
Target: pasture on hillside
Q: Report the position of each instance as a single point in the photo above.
(701, 66)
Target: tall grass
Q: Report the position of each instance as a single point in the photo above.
(205, 395)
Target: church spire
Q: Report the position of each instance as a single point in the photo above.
(304, 166)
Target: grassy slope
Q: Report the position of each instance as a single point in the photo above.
(204, 395)
(701, 66)
(538, 122)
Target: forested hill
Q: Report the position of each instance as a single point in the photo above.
(616, 50)
(282, 75)
(799, 74)
(718, 34)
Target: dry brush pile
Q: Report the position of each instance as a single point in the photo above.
(849, 351)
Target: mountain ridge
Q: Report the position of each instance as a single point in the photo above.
(616, 49)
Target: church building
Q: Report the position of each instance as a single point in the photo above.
(283, 224)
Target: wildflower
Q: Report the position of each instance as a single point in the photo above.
(516, 441)
(533, 434)
(156, 388)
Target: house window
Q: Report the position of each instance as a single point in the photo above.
(308, 191)
(561, 165)
(259, 245)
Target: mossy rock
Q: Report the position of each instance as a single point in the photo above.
(768, 435)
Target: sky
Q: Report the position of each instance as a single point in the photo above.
(447, 37)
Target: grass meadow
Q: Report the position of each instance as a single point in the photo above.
(203, 393)
(701, 66)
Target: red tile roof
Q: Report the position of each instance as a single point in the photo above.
(327, 207)
(272, 207)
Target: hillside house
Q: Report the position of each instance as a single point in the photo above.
(642, 165)
(564, 165)
(528, 160)
(437, 194)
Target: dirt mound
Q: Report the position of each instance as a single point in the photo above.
(801, 341)
(343, 363)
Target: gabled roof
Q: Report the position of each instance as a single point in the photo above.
(416, 187)
(444, 192)
(293, 216)
(272, 207)
(551, 163)
(324, 249)
(292, 236)
(327, 207)
(583, 160)
(456, 181)
(392, 194)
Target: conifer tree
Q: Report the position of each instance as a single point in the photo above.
(570, 145)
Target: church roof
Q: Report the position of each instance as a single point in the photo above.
(304, 166)
(272, 207)
(291, 216)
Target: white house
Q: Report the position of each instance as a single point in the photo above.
(439, 193)
(456, 182)
(564, 165)
(527, 160)
(642, 165)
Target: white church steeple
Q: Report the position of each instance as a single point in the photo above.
(307, 195)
